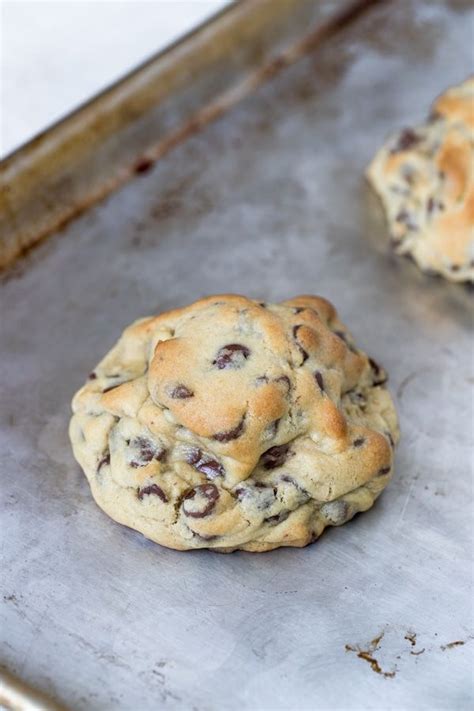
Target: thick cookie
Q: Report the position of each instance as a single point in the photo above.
(425, 178)
(236, 424)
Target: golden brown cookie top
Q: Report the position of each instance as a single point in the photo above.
(425, 177)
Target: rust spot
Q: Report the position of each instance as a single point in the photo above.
(144, 165)
(450, 645)
(367, 656)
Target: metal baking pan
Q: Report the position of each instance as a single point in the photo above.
(269, 201)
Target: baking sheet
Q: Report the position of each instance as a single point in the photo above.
(269, 202)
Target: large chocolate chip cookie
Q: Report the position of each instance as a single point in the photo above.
(236, 424)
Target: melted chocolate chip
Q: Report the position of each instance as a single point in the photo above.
(92, 376)
(209, 493)
(275, 456)
(300, 347)
(233, 355)
(272, 428)
(205, 463)
(285, 380)
(298, 309)
(404, 218)
(455, 267)
(261, 380)
(181, 392)
(290, 480)
(320, 380)
(406, 140)
(274, 520)
(383, 471)
(380, 378)
(230, 434)
(154, 490)
(104, 461)
(337, 512)
(358, 442)
(147, 451)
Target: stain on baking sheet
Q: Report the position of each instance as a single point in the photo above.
(451, 645)
(368, 656)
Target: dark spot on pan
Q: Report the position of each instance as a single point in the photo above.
(144, 165)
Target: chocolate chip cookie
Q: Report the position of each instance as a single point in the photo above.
(425, 178)
(234, 424)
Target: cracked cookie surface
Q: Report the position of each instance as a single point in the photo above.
(234, 424)
(425, 179)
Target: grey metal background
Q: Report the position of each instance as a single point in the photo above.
(270, 202)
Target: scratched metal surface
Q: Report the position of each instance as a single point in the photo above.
(270, 202)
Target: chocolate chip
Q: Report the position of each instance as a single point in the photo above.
(320, 380)
(208, 492)
(337, 512)
(154, 490)
(147, 451)
(430, 205)
(104, 461)
(380, 378)
(300, 347)
(358, 442)
(91, 376)
(383, 471)
(407, 139)
(272, 428)
(285, 380)
(233, 355)
(262, 304)
(374, 365)
(181, 392)
(455, 267)
(275, 456)
(274, 520)
(290, 480)
(404, 218)
(111, 387)
(261, 380)
(230, 434)
(205, 463)
(298, 309)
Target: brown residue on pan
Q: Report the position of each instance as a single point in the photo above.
(368, 656)
(450, 645)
